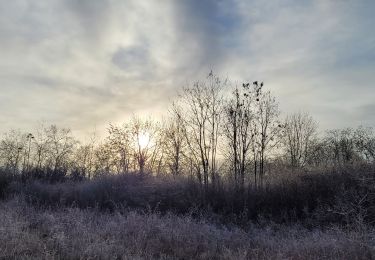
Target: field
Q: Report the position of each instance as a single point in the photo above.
(143, 217)
(72, 233)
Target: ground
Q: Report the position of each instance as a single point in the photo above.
(27, 232)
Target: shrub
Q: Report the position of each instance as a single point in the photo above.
(314, 198)
(116, 191)
(46, 174)
(5, 180)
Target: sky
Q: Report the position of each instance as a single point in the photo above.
(86, 63)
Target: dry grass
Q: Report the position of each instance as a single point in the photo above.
(72, 233)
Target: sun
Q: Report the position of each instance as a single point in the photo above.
(144, 140)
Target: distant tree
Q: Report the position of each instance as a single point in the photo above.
(300, 131)
(41, 145)
(364, 140)
(84, 156)
(341, 145)
(156, 163)
(103, 159)
(61, 146)
(144, 133)
(319, 154)
(26, 161)
(13, 150)
(120, 141)
(175, 142)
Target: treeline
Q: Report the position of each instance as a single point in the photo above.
(215, 132)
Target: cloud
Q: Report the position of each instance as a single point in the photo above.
(206, 31)
(90, 62)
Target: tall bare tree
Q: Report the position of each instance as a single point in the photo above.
(239, 117)
(267, 129)
(202, 104)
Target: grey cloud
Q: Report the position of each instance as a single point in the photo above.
(91, 15)
(133, 59)
(91, 62)
(207, 31)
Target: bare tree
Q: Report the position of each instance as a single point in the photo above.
(103, 159)
(347, 146)
(157, 148)
(239, 117)
(41, 147)
(342, 147)
(175, 142)
(61, 146)
(144, 134)
(84, 157)
(120, 141)
(365, 143)
(319, 153)
(26, 163)
(202, 104)
(13, 150)
(300, 131)
(266, 130)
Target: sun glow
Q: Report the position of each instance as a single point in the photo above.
(144, 140)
